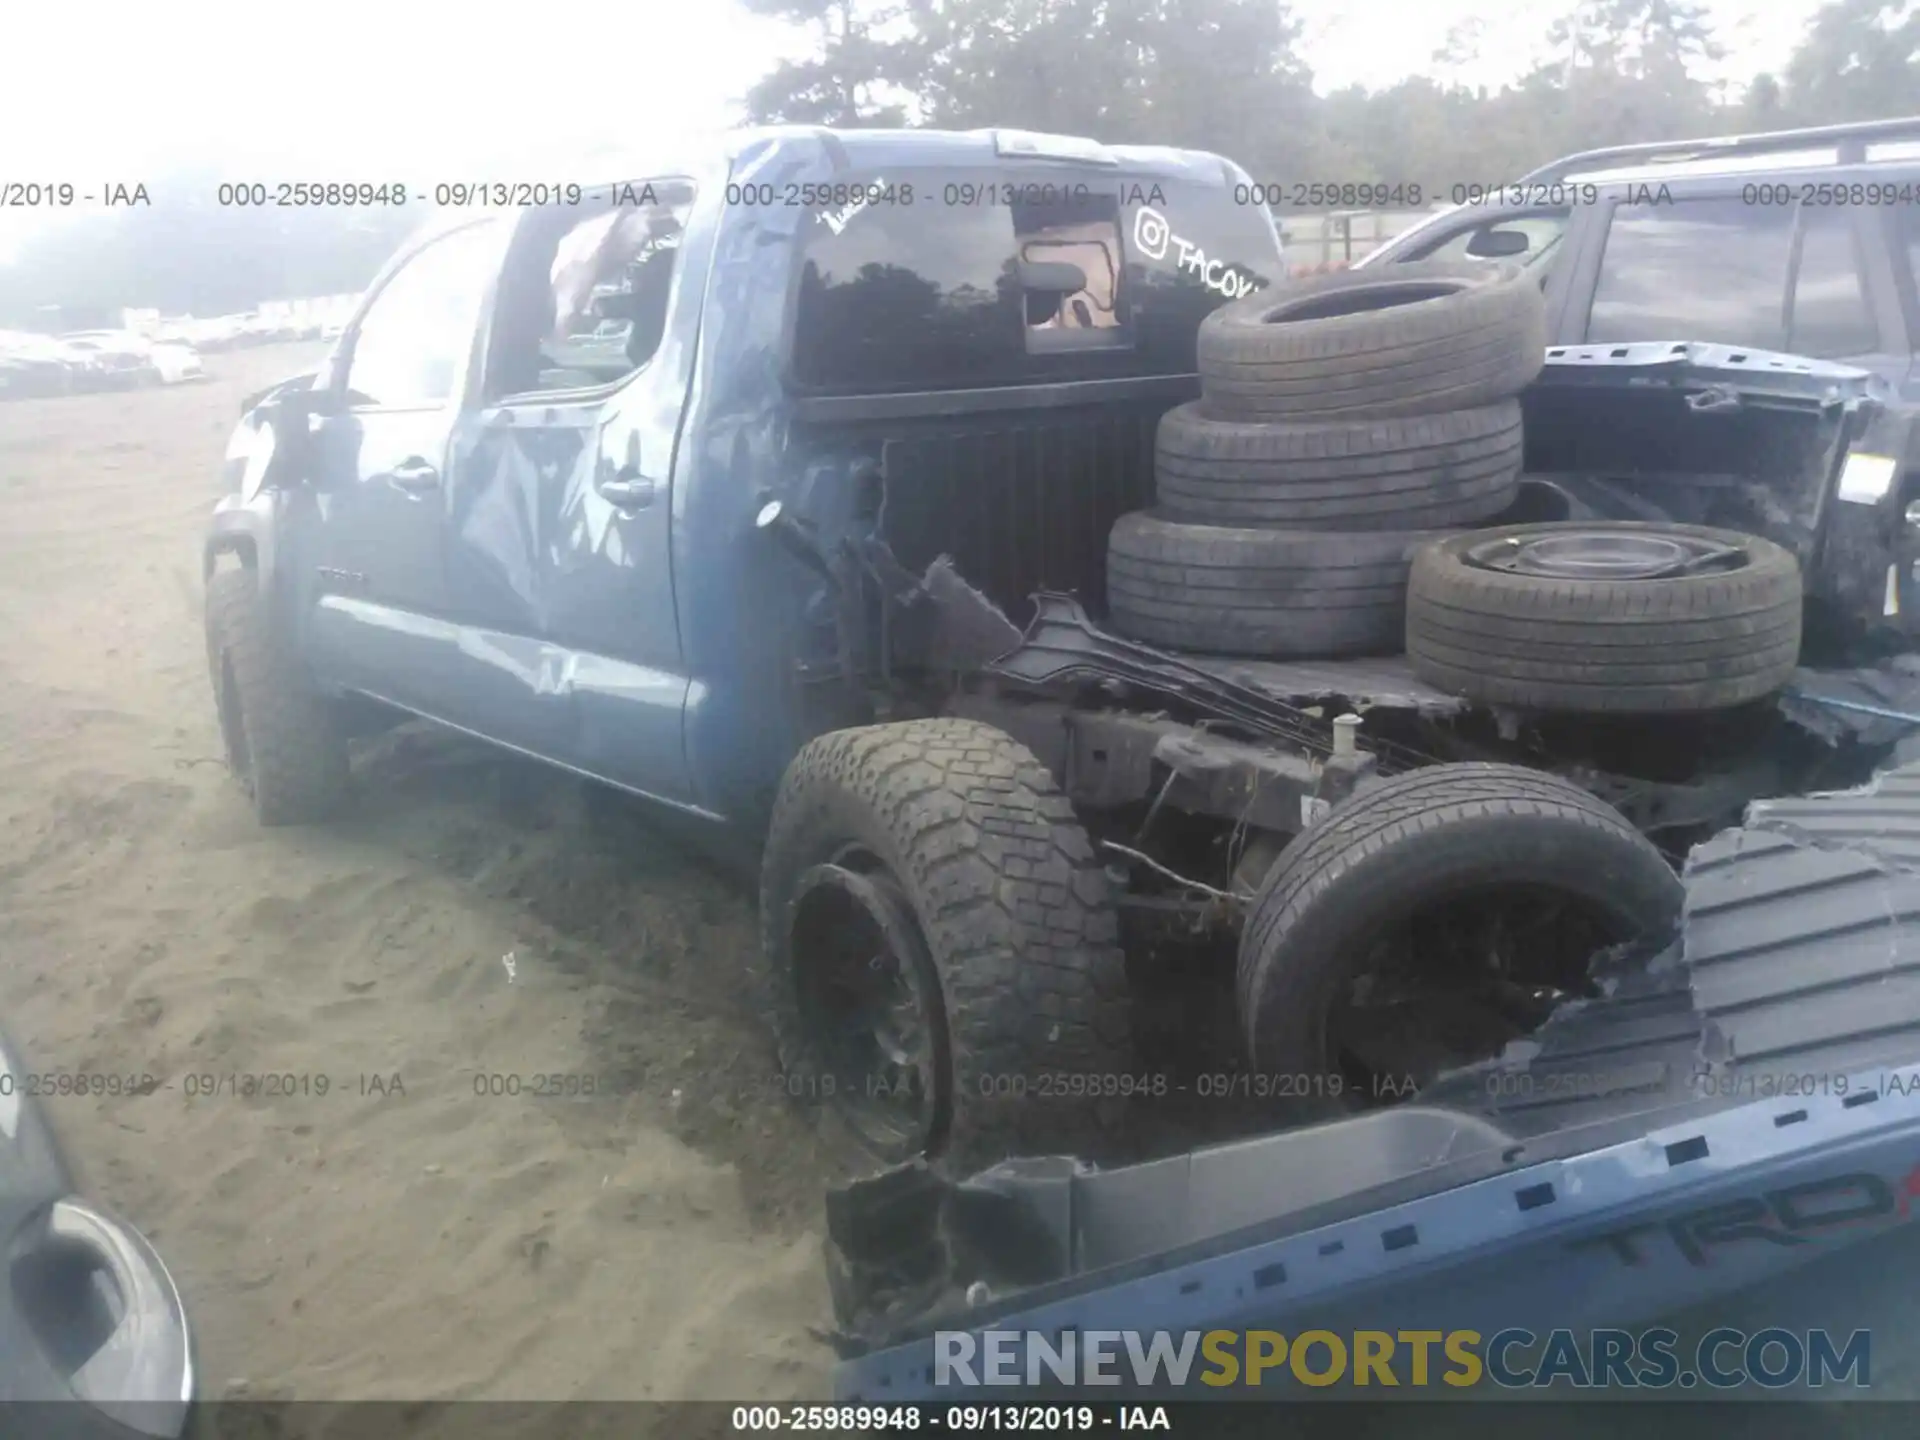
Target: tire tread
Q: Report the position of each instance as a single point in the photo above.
(1010, 896)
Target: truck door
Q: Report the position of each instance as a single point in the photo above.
(379, 580)
(560, 561)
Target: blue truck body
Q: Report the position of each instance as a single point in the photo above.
(671, 582)
(664, 647)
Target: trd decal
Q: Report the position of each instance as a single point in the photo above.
(1787, 1217)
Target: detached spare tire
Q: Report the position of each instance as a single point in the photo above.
(1600, 616)
(1401, 473)
(1276, 594)
(1383, 921)
(1412, 339)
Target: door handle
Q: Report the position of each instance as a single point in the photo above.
(414, 474)
(628, 492)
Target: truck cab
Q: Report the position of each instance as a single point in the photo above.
(631, 481)
(969, 331)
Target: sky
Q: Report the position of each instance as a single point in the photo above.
(355, 90)
(1376, 42)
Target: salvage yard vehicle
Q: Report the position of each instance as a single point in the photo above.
(32, 364)
(975, 533)
(125, 360)
(24, 373)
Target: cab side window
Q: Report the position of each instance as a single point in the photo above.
(416, 335)
(583, 300)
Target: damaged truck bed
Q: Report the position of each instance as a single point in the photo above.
(1678, 433)
(1727, 1116)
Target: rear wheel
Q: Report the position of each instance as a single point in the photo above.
(939, 951)
(281, 738)
(1434, 917)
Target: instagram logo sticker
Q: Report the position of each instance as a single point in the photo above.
(1150, 233)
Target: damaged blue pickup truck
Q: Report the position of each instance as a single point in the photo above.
(1089, 634)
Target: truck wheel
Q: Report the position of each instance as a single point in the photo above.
(1273, 593)
(1594, 616)
(280, 738)
(1412, 339)
(939, 950)
(1424, 917)
(1404, 473)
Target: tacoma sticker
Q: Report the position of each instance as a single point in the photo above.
(1153, 237)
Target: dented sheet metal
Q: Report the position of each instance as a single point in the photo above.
(1803, 931)
(1798, 962)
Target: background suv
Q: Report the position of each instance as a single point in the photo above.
(1803, 241)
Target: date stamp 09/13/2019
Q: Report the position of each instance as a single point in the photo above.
(1735, 1084)
(200, 1084)
(303, 1084)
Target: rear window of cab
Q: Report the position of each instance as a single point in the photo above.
(956, 280)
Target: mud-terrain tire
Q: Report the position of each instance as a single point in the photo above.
(1274, 594)
(1417, 472)
(1414, 339)
(281, 738)
(1706, 640)
(1412, 841)
(1018, 939)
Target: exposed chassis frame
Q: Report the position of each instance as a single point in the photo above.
(1120, 723)
(1107, 716)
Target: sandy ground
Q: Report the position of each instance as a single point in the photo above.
(400, 1236)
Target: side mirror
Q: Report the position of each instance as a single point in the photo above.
(293, 418)
(1499, 244)
(296, 402)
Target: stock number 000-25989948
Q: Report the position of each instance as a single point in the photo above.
(1041, 1419)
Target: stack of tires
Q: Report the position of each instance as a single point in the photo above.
(1345, 420)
